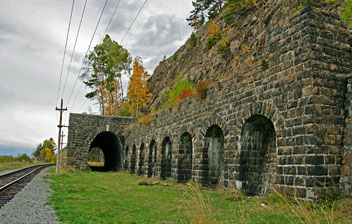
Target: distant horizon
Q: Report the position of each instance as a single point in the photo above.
(9, 150)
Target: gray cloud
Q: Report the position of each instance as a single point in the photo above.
(32, 37)
(161, 35)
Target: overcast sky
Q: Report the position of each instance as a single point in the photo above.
(32, 40)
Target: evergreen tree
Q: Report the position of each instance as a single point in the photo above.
(204, 10)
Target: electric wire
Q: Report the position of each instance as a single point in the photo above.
(135, 18)
(63, 59)
(113, 15)
(106, 29)
(127, 31)
(91, 40)
(74, 48)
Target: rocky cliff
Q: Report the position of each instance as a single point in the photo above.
(241, 47)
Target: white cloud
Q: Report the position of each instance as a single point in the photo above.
(32, 37)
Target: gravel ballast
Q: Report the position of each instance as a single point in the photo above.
(29, 205)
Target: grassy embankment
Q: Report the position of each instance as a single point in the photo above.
(11, 163)
(94, 197)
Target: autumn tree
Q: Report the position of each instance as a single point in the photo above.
(46, 151)
(48, 143)
(105, 66)
(138, 93)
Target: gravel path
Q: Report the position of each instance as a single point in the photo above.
(29, 205)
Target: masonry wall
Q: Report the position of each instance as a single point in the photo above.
(345, 171)
(283, 120)
(83, 129)
(298, 84)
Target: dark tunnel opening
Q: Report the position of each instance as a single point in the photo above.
(111, 147)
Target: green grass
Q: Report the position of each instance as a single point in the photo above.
(96, 197)
(11, 163)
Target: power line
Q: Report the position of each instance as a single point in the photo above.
(63, 59)
(145, 2)
(129, 28)
(74, 48)
(106, 29)
(91, 40)
(117, 5)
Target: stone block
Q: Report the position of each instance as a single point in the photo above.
(345, 170)
(347, 159)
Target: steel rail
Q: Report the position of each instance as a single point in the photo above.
(6, 186)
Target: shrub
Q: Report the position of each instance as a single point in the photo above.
(223, 45)
(173, 95)
(193, 39)
(201, 88)
(346, 13)
(24, 158)
(211, 42)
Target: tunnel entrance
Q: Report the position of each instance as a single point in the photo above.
(111, 147)
(185, 158)
(166, 158)
(152, 159)
(213, 155)
(133, 159)
(96, 157)
(141, 160)
(257, 157)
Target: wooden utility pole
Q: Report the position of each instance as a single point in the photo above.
(58, 156)
(62, 143)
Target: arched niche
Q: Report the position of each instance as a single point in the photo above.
(133, 159)
(166, 158)
(257, 155)
(213, 155)
(152, 158)
(141, 160)
(185, 158)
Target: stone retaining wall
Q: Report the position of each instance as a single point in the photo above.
(283, 122)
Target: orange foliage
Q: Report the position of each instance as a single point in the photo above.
(111, 99)
(47, 155)
(138, 92)
(213, 30)
(201, 88)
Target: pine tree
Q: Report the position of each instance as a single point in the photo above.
(204, 10)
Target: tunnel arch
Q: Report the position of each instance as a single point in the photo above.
(152, 156)
(213, 155)
(111, 146)
(166, 158)
(141, 159)
(185, 158)
(257, 155)
(133, 159)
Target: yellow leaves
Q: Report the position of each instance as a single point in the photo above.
(138, 92)
(244, 50)
(235, 61)
(47, 155)
(111, 99)
(213, 30)
(197, 24)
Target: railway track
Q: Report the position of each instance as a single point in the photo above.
(13, 182)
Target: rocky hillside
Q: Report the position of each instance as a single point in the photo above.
(241, 45)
